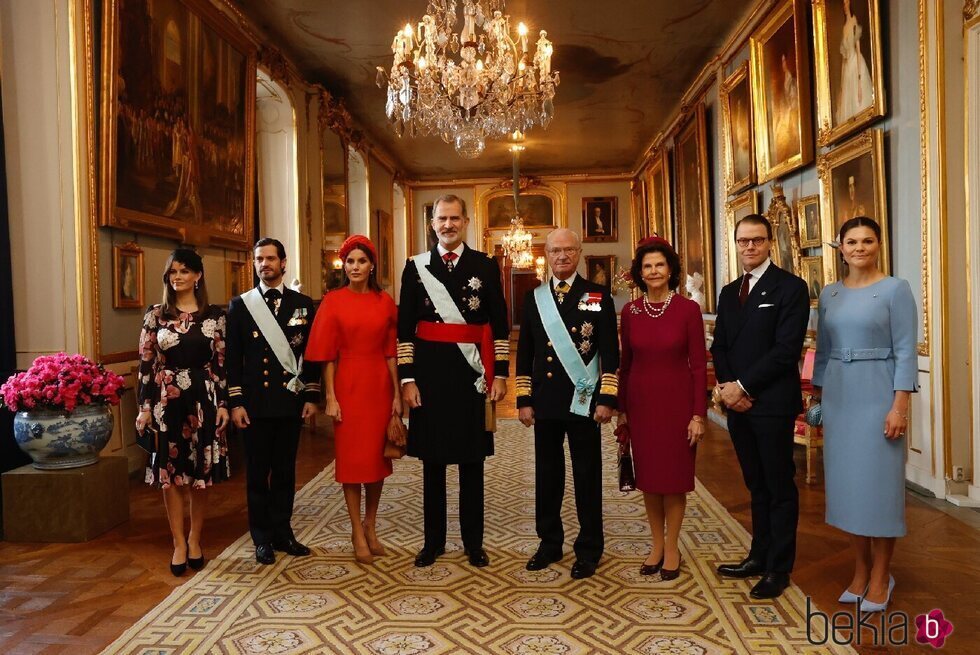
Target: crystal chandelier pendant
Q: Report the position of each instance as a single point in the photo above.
(471, 86)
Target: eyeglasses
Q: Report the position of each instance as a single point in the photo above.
(755, 241)
(566, 251)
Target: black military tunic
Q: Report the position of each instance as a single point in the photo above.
(449, 426)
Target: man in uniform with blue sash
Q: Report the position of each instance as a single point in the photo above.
(270, 393)
(453, 356)
(567, 357)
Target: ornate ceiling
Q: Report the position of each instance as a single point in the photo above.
(624, 66)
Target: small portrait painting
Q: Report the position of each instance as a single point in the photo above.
(237, 278)
(808, 211)
(600, 270)
(536, 210)
(854, 193)
(599, 220)
(127, 277)
(811, 270)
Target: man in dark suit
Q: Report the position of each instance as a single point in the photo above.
(453, 356)
(758, 338)
(271, 393)
(582, 333)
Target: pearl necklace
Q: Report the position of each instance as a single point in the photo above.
(654, 312)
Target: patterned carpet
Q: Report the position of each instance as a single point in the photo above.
(327, 603)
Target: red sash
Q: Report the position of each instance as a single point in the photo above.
(466, 333)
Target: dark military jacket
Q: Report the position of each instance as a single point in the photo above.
(256, 379)
(590, 318)
(449, 426)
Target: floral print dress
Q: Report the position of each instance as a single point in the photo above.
(182, 383)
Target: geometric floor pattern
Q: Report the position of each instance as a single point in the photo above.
(328, 603)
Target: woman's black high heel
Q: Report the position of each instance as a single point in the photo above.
(178, 569)
(196, 563)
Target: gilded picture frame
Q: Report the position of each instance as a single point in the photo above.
(178, 122)
(335, 215)
(600, 219)
(601, 269)
(780, 64)
(811, 270)
(736, 112)
(238, 278)
(849, 73)
(128, 277)
(808, 215)
(852, 183)
(694, 226)
(736, 209)
(786, 250)
(658, 194)
(384, 231)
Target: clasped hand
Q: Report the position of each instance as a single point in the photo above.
(730, 395)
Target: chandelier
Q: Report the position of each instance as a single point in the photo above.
(472, 85)
(517, 242)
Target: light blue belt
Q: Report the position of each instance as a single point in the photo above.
(855, 354)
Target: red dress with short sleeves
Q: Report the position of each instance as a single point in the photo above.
(358, 331)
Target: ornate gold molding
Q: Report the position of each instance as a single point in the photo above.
(923, 346)
(970, 10)
(334, 115)
(272, 59)
(524, 183)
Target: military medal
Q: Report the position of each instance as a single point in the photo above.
(590, 302)
(475, 283)
(586, 329)
(584, 346)
(473, 302)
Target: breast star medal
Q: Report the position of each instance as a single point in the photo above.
(475, 283)
(586, 329)
(473, 302)
(584, 346)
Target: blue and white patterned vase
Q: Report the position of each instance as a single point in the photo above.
(56, 440)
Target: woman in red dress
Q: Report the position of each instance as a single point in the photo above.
(354, 336)
(662, 395)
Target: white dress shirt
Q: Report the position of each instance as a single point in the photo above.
(757, 273)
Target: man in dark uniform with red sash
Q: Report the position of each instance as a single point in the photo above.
(453, 352)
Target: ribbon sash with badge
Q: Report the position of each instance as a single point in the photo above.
(583, 377)
(274, 335)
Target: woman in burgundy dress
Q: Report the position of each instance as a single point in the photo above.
(354, 336)
(662, 396)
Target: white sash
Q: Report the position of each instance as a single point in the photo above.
(272, 331)
(447, 309)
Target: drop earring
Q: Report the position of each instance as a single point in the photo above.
(196, 282)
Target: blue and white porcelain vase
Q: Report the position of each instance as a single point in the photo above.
(56, 440)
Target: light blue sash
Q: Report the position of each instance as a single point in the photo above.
(583, 377)
(276, 338)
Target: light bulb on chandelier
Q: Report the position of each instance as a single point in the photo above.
(470, 86)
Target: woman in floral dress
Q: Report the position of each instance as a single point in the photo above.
(183, 395)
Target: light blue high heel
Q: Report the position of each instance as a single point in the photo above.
(868, 607)
(848, 598)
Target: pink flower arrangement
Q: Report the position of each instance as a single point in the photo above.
(61, 382)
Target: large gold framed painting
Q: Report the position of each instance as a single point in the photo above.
(852, 183)
(850, 84)
(694, 243)
(736, 111)
(178, 116)
(781, 91)
(735, 210)
(658, 195)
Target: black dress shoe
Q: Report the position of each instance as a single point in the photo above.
(651, 569)
(747, 568)
(770, 586)
(541, 560)
(178, 569)
(264, 554)
(291, 547)
(196, 563)
(582, 570)
(666, 575)
(477, 557)
(427, 556)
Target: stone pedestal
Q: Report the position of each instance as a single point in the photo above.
(65, 506)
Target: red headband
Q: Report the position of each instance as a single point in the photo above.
(357, 242)
(649, 241)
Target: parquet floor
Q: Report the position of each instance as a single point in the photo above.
(77, 598)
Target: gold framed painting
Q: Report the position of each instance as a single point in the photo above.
(736, 209)
(537, 209)
(785, 234)
(852, 183)
(600, 219)
(779, 56)
(658, 194)
(600, 269)
(811, 270)
(808, 214)
(694, 230)
(238, 278)
(333, 183)
(850, 76)
(384, 231)
(178, 122)
(128, 277)
(736, 113)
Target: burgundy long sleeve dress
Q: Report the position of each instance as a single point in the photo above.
(662, 384)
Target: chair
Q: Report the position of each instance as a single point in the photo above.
(808, 436)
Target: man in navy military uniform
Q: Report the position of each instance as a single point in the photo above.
(453, 354)
(270, 393)
(567, 384)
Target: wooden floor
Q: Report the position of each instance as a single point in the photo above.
(76, 598)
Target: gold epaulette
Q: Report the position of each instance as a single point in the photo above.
(609, 384)
(523, 385)
(234, 391)
(406, 352)
(501, 350)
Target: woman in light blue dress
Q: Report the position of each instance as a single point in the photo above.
(866, 366)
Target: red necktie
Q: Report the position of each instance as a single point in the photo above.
(743, 291)
(448, 258)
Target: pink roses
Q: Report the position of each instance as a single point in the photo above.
(61, 382)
